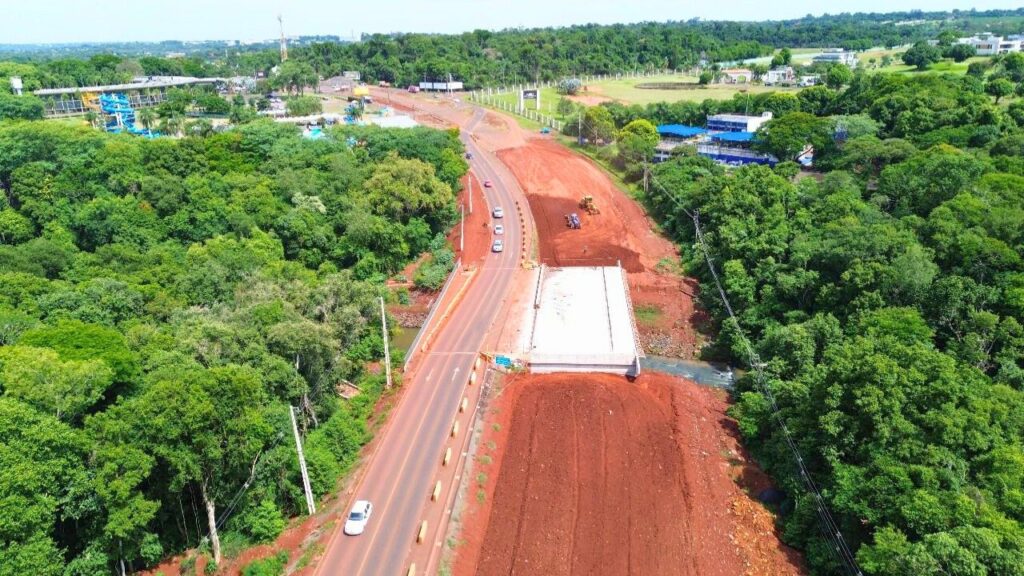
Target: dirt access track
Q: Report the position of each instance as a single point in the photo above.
(600, 476)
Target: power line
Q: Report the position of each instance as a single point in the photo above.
(839, 548)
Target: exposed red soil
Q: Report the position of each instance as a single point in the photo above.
(670, 299)
(496, 132)
(555, 179)
(597, 475)
(477, 228)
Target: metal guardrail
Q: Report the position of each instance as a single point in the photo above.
(426, 323)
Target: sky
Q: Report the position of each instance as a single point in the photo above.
(52, 21)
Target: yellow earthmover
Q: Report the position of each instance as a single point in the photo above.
(587, 204)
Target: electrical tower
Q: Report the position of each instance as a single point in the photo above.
(284, 43)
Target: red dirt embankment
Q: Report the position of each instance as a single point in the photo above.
(554, 179)
(478, 225)
(600, 476)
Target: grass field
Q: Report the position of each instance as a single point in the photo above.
(72, 121)
(625, 90)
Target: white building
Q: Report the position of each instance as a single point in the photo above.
(836, 56)
(780, 75)
(737, 75)
(990, 44)
(736, 122)
(441, 86)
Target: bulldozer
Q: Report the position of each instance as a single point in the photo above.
(587, 204)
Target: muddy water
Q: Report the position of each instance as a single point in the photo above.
(404, 339)
(704, 373)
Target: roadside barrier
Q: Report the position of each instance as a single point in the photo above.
(415, 346)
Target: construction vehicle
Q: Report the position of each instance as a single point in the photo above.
(573, 221)
(587, 203)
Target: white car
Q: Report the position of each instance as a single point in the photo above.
(498, 246)
(358, 517)
(498, 212)
(499, 229)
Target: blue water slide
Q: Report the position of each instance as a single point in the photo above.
(122, 115)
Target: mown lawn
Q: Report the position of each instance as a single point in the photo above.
(625, 90)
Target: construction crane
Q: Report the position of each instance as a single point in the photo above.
(284, 43)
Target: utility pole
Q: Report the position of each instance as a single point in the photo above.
(462, 230)
(387, 349)
(579, 129)
(310, 504)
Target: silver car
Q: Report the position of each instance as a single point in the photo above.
(499, 229)
(498, 246)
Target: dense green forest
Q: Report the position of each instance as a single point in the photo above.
(484, 58)
(164, 301)
(885, 295)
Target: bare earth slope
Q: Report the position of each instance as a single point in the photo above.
(600, 476)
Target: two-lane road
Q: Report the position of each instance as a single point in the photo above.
(398, 479)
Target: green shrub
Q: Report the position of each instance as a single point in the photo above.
(264, 522)
(273, 566)
(304, 106)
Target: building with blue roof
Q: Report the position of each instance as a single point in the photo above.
(673, 136)
(728, 139)
(680, 131)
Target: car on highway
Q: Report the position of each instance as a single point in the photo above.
(499, 229)
(498, 245)
(358, 517)
(488, 184)
(498, 212)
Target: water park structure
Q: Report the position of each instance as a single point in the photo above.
(141, 93)
(120, 115)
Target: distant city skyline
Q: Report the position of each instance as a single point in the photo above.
(70, 21)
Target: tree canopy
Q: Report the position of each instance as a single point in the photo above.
(162, 304)
(884, 299)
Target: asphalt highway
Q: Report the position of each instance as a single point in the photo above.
(399, 476)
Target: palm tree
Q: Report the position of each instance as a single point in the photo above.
(172, 124)
(355, 110)
(147, 117)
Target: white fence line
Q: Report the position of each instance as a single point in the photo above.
(487, 95)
